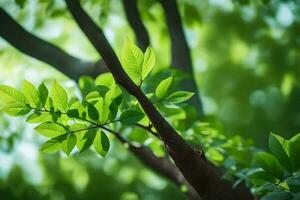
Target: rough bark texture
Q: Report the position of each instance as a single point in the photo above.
(46, 52)
(181, 55)
(198, 171)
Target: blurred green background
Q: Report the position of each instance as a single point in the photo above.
(245, 54)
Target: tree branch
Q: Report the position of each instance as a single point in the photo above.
(166, 168)
(198, 171)
(181, 56)
(46, 52)
(134, 19)
(148, 128)
(38, 48)
(162, 166)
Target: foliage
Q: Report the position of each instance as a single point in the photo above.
(248, 81)
(71, 122)
(273, 175)
(277, 173)
(85, 122)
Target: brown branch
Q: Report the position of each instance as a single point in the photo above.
(38, 48)
(163, 166)
(46, 52)
(181, 55)
(135, 21)
(198, 171)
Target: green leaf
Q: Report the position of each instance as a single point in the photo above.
(278, 146)
(16, 109)
(38, 117)
(79, 130)
(294, 183)
(270, 164)
(131, 117)
(50, 129)
(69, 144)
(99, 107)
(14, 101)
(76, 106)
(132, 60)
(77, 127)
(92, 96)
(103, 105)
(118, 99)
(162, 88)
(43, 93)
(73, 113)
(179, 97)
(103, 89)
(49, 104)
(278, 195)
(105, 79)
(101, 143)
(87, 140)
(114, 107)
(294, 151)
(55, 116)
(59, 97)
(261, 177)
(31, 94)
(148, 62)
(54, 144)
(86, 85)
(92, 112)
(111, 101)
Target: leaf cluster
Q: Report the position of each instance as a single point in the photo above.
(85, 122)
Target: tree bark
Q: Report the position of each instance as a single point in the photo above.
(46, 52)
(40, 49)
(135, 21)
(181, 55)
(162, 166)
(198, 171)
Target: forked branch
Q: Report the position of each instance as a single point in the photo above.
(199, 172)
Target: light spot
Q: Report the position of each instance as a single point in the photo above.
(284, 15)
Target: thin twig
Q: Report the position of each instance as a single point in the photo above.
(147, 128)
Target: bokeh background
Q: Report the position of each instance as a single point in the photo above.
(246, 58)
